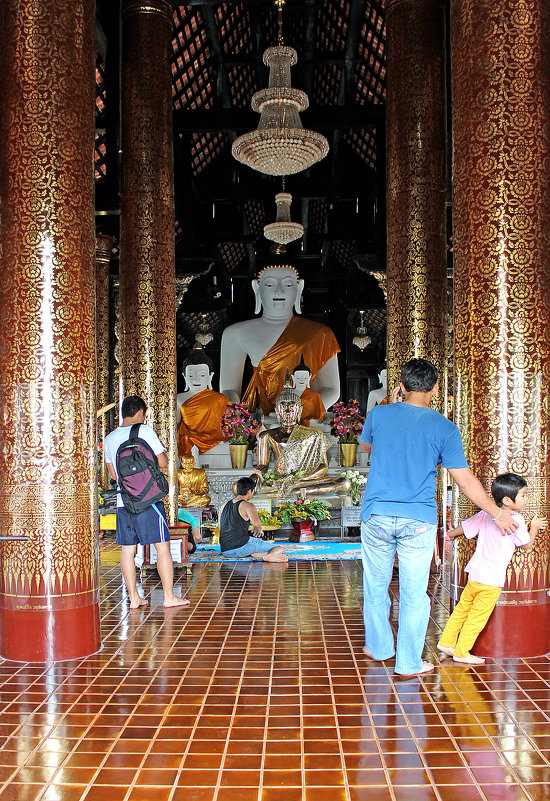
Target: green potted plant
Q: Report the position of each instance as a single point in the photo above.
(303, 513)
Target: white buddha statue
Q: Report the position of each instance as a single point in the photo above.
(277, 341)
(378, 396)
(312, 405)
(199, 407)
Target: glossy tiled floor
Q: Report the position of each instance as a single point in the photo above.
(259, 692)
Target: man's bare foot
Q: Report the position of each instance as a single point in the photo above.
(427, 667)
(445, 649)
(175, 601)
(369, 655)
(138, 602)
(470, 659)
(275, 555)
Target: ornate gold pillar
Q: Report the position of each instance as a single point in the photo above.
(49, 603)
(103, 249)
(501, 130)
(147, 271)
(416, 264)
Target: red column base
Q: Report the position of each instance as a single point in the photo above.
(515, 632)
(47, 635)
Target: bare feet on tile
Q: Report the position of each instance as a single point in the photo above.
(427, 667)
(469, 660)
(175, 601)
(138, 602)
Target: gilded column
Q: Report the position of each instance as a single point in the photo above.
(501, 130)
(416, 262)
(103, 248)
(49, 604)
(147, 271)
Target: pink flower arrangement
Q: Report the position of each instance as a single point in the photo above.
(237, 424)
(347, 422)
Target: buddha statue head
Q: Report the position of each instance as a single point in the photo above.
(382, 377)
(197, 370)
(187, 464)
(288, 406)
(301, 376)
(278, 289)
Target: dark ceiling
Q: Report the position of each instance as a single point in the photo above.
(222, 206)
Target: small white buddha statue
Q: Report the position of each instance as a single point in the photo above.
(378, 396)
(199, 407)
(312, 404)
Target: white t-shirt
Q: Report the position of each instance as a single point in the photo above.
(114, 440)
(493, 551)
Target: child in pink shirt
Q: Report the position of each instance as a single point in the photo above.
(487, 567)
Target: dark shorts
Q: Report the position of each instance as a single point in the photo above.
(145, 528)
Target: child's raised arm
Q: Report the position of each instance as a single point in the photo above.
(537, 523)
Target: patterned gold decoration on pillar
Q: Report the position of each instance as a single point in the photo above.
(103, 249)
(416, 268)
(48, 584)
(501, 130)
(147, 272)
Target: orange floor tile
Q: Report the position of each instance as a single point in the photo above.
(260, 692)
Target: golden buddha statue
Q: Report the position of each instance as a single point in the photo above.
(300, 454)
(193, 484)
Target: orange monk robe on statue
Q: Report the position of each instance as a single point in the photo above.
(200, 422)
(314, 342)
(312, 407)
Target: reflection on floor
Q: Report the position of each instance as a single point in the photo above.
(259, 692)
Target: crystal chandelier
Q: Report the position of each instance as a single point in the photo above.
(283, 230)
(280, 145)
(362, 339)
(203, 336)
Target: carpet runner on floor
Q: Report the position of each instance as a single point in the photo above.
(307, 551)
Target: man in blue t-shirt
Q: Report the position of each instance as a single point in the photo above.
(407, 441)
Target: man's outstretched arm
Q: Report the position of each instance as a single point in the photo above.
(473, 489)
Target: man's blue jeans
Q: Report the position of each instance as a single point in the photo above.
(414, 542)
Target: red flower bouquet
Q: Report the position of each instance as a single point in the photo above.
(237, 424)
(347, 422)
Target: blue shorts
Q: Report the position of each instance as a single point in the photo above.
(254, 545)
(144, 528)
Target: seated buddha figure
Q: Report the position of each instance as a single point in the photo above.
(300, 454)
(274, 343)
(193, 484)
(199, 407)
(312, 404)
(378, 396)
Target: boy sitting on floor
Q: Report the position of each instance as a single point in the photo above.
(487, 567)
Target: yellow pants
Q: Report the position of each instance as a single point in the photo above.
(469, 617)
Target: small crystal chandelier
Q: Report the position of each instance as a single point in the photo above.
(283, 230)
(280, 145)
(362, 339)
(203, 336)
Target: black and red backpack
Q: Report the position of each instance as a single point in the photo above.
(140, 479)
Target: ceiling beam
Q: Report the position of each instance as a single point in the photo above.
(222, 86)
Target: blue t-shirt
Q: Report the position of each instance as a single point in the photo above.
(408, 442)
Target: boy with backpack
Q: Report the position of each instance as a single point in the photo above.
(134, 455)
